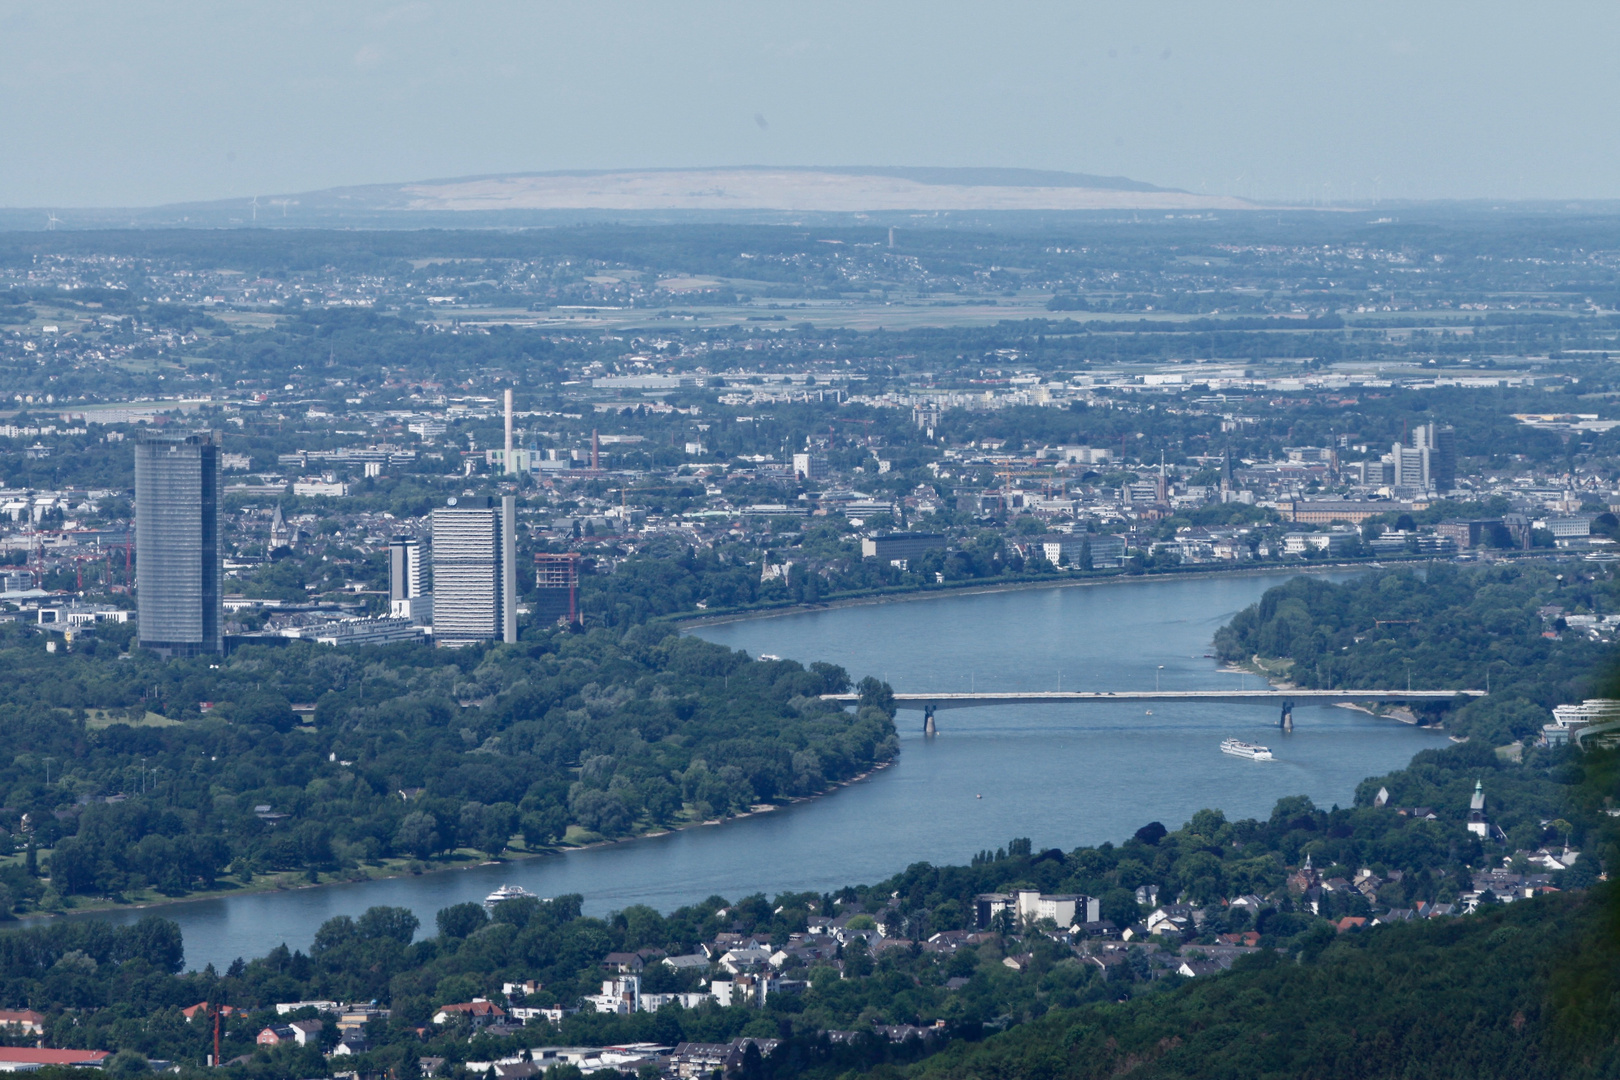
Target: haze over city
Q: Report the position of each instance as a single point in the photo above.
(105, 104)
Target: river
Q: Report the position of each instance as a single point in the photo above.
(1060, 775)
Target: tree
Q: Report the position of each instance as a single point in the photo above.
(460, 920)
(877, 694)
(418, 834)
(395, 923)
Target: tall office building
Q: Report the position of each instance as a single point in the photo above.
(556, 580)
(475, 574)
(809, 466)
(404, 568)
(1440, 440)
(1411, 466)
(179, 563)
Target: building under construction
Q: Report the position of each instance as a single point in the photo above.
(556, 579)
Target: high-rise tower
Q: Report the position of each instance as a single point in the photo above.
(1440, 440)
(404, 568)
(475, 574)
(179, 561)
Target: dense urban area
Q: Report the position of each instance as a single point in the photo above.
(459, 493)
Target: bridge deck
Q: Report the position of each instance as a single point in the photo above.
(1089, 697)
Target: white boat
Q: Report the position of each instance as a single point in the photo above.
(506, 892)
(1252, 751)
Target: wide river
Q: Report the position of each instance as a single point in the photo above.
(1061, 775)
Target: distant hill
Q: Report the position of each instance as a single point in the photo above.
(814, 190)
(731, 193)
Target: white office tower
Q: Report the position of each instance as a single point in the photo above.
(475, 574)
(407, 594)
(404, 568)
(1411, 466)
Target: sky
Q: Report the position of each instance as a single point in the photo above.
(120, 104)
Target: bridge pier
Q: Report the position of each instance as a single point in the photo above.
(1287, 721)
(928, 721)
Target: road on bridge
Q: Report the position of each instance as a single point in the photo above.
(928, 704)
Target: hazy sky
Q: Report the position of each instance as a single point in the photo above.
(122, 104)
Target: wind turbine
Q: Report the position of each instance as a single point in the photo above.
(51, 221)
(255, 208)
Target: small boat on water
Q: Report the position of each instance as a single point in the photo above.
(506, 892)
(1252, 751)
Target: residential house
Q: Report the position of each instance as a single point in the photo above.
(478, 1010)
(621, 996)
(1367, 884)
(527, 988)
(624, 963)
(201, 1009)
(654, 1002)
(1168, 921)
(300, 1032)
(736, 961)
(351, 1043)
(1029, 906)
(690, 962)
(356, 1017)
(22, 1022)
(552, 1014)
(306, 1031)
(689, 1061)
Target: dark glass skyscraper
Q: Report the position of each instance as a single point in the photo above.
(179, 561)
(1440, 440)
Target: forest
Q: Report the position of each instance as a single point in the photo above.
(175, 777)
(1519, 991)
(1502, 627)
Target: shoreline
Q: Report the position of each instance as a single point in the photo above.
(103, 906)
(686, 623)
(291, 881)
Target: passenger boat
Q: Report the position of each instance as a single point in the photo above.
(506, 892)
(1252, 751)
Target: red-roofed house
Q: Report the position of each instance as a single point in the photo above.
(481, 1012)
(1351, 922)
(201, 1009)
(301, 1032)
(26, 1021)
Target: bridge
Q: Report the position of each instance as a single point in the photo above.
(928, 704)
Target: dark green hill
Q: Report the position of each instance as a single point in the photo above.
(1526, 990)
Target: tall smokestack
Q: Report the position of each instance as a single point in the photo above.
(596, 452)
(509, 462)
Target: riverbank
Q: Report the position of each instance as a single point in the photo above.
(391, 869)
(976, 588)
(1023, 761)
